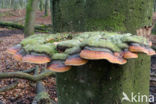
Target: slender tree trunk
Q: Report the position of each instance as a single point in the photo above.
(100, 82)
(30, 17)
(52, 13)
(41, 5)
(154, 5)
(46, 8)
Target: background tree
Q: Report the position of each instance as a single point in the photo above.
(41, 4)
(30, 17)
(15, 4)
(99, 82)
(154, 5)
(46, 8)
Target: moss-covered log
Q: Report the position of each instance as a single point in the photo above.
(99, 82)
(39, 28)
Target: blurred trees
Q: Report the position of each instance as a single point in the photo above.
(20, 4)
(41, 5)
(44, 4)
(154, 5)
(46, 8)
(15, 4)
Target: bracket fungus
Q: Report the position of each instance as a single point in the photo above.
(61, 51)
(14, 49)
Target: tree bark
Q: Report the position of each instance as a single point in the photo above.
(30, 17)
(100, 82)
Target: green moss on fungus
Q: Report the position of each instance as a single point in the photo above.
(51, 43)
(59, 56)
(73, 50)
(102, 43)
(135, 39)
(69, 43)
(41, 48)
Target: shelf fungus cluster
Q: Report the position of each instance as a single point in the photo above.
(61, 51)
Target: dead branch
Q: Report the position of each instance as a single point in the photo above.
(42, 96)
(26, 76)
(14, 85)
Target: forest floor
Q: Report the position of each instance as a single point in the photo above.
(25, 92)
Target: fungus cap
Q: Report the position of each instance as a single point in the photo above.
(75, 60)
(36, 59)
(96, 55)
(19, 55)
(65, 52)
(58, 66)
(142, 49)
(14, 49)
(129, 55)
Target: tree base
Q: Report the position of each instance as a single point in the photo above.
(100, 82)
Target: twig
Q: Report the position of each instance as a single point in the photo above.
(9, 87)
(29, 70)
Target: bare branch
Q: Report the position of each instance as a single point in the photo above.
(42, 95)
(23, 75)
(14, 85)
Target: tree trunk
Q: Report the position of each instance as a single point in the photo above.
(100, 82)
(46, 8)
(30, 17)
(154, 5)
(41, 5)
(52, 13)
